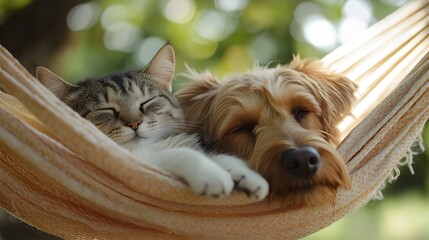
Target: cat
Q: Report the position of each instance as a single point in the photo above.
(138, 110)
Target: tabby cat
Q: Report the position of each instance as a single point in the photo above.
(138, 110)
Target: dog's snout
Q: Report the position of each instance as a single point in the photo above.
(301, 162)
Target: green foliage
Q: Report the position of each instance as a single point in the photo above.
(206, 34)
(7, 6)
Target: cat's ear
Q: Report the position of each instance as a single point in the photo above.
(162, 66)
(53, 82)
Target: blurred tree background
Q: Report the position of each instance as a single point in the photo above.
(79, 39)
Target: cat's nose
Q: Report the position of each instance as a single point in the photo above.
(134, 125)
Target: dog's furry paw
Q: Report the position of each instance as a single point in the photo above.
(210, 181)
(250, 182)
(245, 179)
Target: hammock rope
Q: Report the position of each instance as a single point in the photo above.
(63, 176)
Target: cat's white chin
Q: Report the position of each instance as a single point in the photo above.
(136, 142)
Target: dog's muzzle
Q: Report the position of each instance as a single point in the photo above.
(301, 162)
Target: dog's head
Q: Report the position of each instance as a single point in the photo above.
(282, 120)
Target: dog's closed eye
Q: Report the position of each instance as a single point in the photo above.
(300, 113)
(244, 128)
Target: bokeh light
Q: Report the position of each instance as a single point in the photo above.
(304, 11)
(122, 36)
(231, 5)
(179, 11)
(320, 32)
(349, 28)
(113, 14)
(83, 16)
(147, 49)
(312, 26)
(214, 25)
(360, 9)
(263, 49)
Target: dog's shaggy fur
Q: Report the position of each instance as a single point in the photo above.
(261, 114)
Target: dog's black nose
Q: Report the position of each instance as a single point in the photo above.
(301, 162)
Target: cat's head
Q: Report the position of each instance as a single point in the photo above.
(127, 107)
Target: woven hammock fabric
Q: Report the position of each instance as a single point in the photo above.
(63, 176)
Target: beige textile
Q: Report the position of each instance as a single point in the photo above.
(61, 175)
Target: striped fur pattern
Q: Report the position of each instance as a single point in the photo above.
(128, 107)
(118, 103)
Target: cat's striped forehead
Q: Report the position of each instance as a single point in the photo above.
(124, 89)
(120, 85)
(123, 82)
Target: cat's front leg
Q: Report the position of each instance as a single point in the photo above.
(201, 174)
(247, 180)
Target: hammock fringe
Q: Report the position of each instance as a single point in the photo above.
(416, 148)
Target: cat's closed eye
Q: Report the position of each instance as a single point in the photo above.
(107, 111)
(152, 104)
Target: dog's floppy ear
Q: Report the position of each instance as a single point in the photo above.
(197, 96)
(333, 91)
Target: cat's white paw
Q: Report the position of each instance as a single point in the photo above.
(210, 180)
(250, 182)
(202, 175)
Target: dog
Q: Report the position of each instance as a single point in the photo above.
(282, 120)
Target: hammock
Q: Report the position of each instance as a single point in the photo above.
(63, 176)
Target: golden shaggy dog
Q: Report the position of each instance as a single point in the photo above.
(282, 120)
